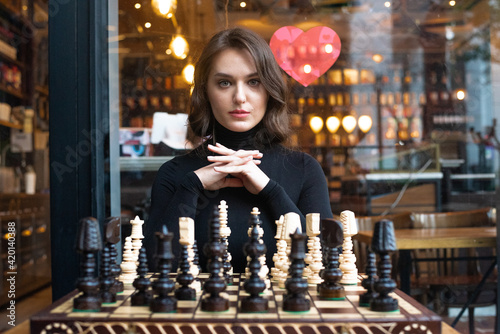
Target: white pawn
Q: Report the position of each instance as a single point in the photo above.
(348, 259)
(128, 265)
(315, 256)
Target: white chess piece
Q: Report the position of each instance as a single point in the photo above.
(186, 237)
(137, 236)
(348, 259)
(128, 265)
(290, 225)
(314, 244)
(225, 231)
(275, 270)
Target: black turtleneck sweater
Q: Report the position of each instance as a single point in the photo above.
(297, 184)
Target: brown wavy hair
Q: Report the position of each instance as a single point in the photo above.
(275, 126)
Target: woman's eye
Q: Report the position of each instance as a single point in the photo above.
(224, 83)
(254, 82)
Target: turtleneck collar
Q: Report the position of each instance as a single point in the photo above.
(235, 140)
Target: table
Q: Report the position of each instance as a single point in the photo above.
(453, 237)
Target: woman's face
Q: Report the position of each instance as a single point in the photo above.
(237, 97)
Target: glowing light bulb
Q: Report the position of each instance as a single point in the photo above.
(164, 7)
(387, 4)
(328, 48)
(349, 123)
(365, 123)
(316, 124)
(179, 47)
(377, 58)
(307, 68)
(137, 6)
(243, 4)
(188, 73)
(147, 25)
(332, 124)
(460, 95)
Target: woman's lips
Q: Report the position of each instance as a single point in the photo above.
(239, 113)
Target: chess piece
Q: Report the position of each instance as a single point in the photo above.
(112, 228)
(254, 285)
(314, 258)
(296, 286)
(369, 281)
(129, 264)
(332, 234)
(143, 295)
(225, 232)
(137, 236)
(276, 271)
(184, 277)
(88, 243)
(164, 285)
(106, 279)
(348, 259)
(215, 284)
(255, 221)
(290, 225)
(383, 243)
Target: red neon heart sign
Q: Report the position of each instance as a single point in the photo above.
(305, 56)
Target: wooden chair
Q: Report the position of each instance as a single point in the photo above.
(451, 281)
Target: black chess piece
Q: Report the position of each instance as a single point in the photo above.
(106, 279)
(143, 295)
(185, 278)
(333, 236)
(112, 228)
(215, 284)
(296, 286)
(383, 243)
(226, 262)
(369, 281)
(88, 243)
(164, 285)
(254, 285)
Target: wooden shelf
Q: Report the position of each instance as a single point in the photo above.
(11, 125)
(42, 90)
(11, 91)
(11, 60)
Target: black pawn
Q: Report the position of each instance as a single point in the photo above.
(88, 243)
(164, 285)
(112, 227)
(296, 286)
(143, 294)
(254, 285)
(369, 281)
(107, 280)
(384, 242)
(333, 236)
(185, 278)
(215, 284)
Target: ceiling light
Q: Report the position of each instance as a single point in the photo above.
(188, 73)
(164, 8)
(243, 4)
(179, 46)
(147, 25)
(137, 6)
(365, 123)
(349, 123)
(387, 4)
(378, 58)
(332, 124)
(452, 3)
(460, 95)
(316, 124)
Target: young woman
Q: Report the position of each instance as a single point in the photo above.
(239, 117)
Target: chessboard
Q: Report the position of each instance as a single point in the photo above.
(325, 316)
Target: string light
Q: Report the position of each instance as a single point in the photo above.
(365, 123)
(332, 124)
(349, 123)
(188, 73)
(179, 47)
(164, 8)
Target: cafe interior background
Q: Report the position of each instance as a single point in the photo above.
(403, 121)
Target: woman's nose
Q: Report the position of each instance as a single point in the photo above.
(240, 96)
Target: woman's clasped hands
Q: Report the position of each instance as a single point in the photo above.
(242, 165)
